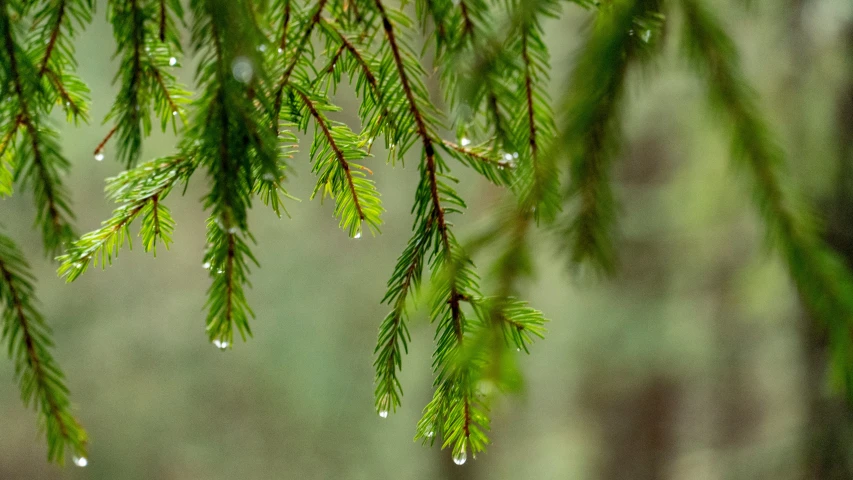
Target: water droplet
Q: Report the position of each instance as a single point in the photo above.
(465, 141)
(507, 156)
(262, 48)
(370, 141)
(220, 344)
(174, 113)
(517, 349)
(514, 154)
(460, 457)
(67, 104)
(646, 35)
(147, 49)
(80, 461)
(280, 50)
(242, 69)
(357, 235)
(383, 413)
(206, 265)
(173, 61)
(269, 177)
(99, 156)
(232, 230)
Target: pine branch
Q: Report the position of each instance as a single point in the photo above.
(592, 130)
(55, 24)
(147, 87)
(41, 381)
(303, 43)
(825, 285)
(39, 162)
(233, 138)
(140, 192)
(452, 277)
(334, 153)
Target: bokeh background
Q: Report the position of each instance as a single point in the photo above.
(695, 362)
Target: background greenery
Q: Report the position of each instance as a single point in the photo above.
(694, 362)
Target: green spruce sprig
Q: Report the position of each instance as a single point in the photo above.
(149, 46)
(27, 337)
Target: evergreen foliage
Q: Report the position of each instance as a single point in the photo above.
(268, 70)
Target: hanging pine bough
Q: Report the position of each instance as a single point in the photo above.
(268, 69)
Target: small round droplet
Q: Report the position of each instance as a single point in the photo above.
(242, 69)
(99, 157)
(280, 50)
(262, 48)
(220, 344)
(206, 265)
(460, 458)
(508, 157)
(383, 413)
(173, 61)
(269, 177)
(80, 461)
(357, 235)
(514, 154)
(465, 141)
(174, 113)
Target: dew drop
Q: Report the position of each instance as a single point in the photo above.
(507, 156)
(173, 61)
(465, 141)
(242, 69)
(262, 48)
(460, 457)
(383, 413)
(514, 154)
(220, 344)
(206, 265)
(357, 235)
(174, 113)
(280, 50)
(99, 157)
(80, 461)
(269, 177)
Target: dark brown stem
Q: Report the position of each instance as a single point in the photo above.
(100, 147)
(528, 87)
(54, 37)
(162, 20)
